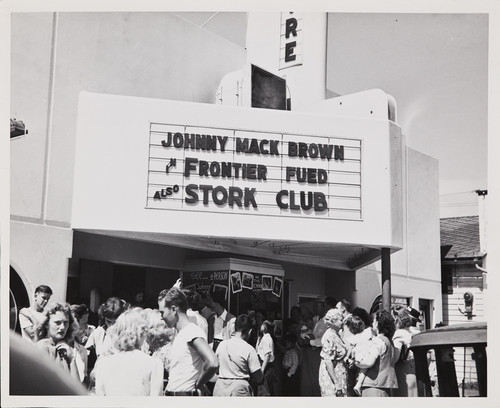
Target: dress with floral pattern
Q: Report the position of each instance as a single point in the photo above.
(333, 349)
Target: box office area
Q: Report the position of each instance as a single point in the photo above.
(246, 285)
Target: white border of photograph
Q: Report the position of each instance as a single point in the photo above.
(276, 280)
(247, 277)
(190, 287)
(218, 286)
(236, 276)
(268, 278)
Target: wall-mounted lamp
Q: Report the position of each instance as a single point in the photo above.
(17, 128)
(468, 303)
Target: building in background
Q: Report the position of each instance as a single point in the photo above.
(84, 218)
(463, 269)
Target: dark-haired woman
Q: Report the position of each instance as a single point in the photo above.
(265, 351)
(405, 363)
(380, 379)
(108, 313)
(81, 314)
(55, 334)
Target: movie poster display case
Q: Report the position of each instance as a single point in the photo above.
(247, 286)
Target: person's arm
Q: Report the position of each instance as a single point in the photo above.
(91, 340)
(27, 325)
(210, 322)
(294, 364)
(73, 369)
(359, 382)
(397, 341)
(30, 331)
(257, 376)
(210, 363)
(156, 383)
(315, 342)
(230, 327)
(330, 368)
(96, 378)
(267, 349)
(254, 368)
(265, 361)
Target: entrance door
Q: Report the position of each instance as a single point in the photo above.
(425, 307)
(128, 281)
(18, 299)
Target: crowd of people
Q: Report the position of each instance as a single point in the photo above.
(192, 346)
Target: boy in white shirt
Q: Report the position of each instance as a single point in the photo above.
(31, 317)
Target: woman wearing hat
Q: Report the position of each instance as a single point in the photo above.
(406, 319)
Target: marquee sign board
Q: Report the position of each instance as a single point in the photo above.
(167, 167)
(250, 172)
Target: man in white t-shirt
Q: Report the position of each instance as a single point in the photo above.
(238, 363)
(31, 317)
(223, 324)
(192, 362)
(193, 312)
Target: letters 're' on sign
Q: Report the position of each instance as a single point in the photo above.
(241, 171)
(291, 40)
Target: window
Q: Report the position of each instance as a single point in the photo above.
(447, 279)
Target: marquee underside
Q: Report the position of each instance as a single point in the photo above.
(326, 255)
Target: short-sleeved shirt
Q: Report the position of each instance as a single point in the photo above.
(198, 319)
(333, 346)
(129, 373)
(265, 345)
(223, 330)
(237, 359)
(100, 340)
(185, 363)
(29, 318)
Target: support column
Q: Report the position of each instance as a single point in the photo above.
(386, 279)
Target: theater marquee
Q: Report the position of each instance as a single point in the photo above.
(249, 172)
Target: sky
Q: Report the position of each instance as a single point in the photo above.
(436, 68)
(435, 65)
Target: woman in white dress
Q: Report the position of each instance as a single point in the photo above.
(129, 371)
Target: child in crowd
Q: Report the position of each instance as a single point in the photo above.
(265, 351)
(359, 347)
(291, 361)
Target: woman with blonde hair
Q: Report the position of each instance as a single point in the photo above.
(159, 339)
(129, 371)
(55, 334)
(333, 370)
